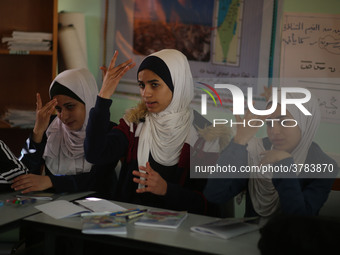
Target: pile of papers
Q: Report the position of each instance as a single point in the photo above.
(20, 118)
(28, 41)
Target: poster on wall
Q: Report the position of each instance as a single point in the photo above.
(226, 33)
(310, 52)
(222, 39)
(171, 24)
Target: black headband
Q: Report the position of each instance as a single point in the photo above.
(58, 89)
(158, 66)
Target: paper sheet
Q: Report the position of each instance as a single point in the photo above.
(100, 205)
(61, 209)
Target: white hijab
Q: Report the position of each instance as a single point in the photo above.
(262, 191)
(163, 134)
(64, 151)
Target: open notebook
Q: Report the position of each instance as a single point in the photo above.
(59, 209)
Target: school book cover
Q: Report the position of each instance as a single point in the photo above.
(103, 224)
(163, 219)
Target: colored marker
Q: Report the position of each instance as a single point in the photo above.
(125, 213)
(133, 216)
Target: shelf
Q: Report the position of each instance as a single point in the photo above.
(24, 73)
(42, 53)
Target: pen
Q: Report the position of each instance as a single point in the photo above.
(95, 214)
(21, 201)
(125, 213)
(138, 214)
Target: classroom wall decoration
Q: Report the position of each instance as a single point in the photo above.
(226, 36)
(222, 39)
(310, 52)
(186, 27)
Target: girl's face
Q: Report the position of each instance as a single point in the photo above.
(283, 138)
(154, 91)
(71, 112)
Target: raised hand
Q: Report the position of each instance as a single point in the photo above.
(153, 182)
(113, 74)
(103, 69)
(43, 115)
(245, 132)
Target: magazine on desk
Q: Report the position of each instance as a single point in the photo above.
(162, 219)
(103, 225)
(227, 228)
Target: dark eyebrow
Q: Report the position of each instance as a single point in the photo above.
(68, 103)
(154, 80)
(150, 81)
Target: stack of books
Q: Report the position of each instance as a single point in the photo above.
(20, 118)
(28, 41)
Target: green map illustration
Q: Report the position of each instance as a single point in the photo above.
(227, 32)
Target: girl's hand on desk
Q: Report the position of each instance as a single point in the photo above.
(31, 182)
(43, 115)
(153, 182)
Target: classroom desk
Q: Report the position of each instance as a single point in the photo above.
(11, 215)
(145, 239)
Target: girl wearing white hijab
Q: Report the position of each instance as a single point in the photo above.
(59, 143)
(154, 139)
(287, 192)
